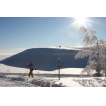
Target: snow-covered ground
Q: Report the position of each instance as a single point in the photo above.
(64, 47)
(69, 77)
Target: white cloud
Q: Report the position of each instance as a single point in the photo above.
(79, 44)
(7, 54)
(11, 51)
(2, 57)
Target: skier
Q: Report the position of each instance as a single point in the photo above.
(31, 67)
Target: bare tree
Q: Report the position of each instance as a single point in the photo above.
(94, 48)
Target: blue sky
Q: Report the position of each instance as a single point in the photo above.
(19, 33)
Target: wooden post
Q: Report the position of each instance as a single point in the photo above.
(59, 69)
(59, 73)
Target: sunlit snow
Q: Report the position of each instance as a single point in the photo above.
(69, 77)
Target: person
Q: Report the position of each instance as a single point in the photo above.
(31, 67)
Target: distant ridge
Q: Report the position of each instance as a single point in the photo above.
(46, 59)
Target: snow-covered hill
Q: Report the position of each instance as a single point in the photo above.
(46, 58)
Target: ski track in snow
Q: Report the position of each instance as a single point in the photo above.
(70, 77)
(24, 81)
(92, 82)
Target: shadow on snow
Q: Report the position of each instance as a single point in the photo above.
(46, 59)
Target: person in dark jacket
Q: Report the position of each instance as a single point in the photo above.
(31, 67)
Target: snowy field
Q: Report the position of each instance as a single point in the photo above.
(69, 77)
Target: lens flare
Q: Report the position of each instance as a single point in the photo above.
(80, 22)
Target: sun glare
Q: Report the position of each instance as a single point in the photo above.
(80, 22)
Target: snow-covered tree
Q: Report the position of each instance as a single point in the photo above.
(94, 48)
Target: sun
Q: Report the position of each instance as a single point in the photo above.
(81, 21)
